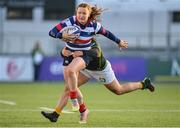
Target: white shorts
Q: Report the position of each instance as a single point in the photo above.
(105, 76)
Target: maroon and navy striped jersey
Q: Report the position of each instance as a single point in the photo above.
(88, 31)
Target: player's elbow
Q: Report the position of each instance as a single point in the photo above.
(52, 34)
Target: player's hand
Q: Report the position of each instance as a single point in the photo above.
(123, 44)
(68, 37)
(77, 54)
(66, 52)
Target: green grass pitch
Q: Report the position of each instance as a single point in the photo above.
(136, 109)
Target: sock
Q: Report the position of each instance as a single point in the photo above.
(82, 108)
(73, 95)
(58, 110)
(141, 85)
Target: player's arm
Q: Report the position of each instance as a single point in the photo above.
(94, 52)
(111, 36)
(99, 29)
(55, 32)
(65, 53)
(108, 34)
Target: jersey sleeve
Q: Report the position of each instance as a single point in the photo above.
(108, 34)
(56, 31)
(97, 27)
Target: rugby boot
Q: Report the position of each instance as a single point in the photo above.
(147, 84)
(52, 116)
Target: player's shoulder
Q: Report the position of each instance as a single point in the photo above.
(70, 19)
(95, 24)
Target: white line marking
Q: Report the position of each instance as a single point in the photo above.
(50, 109)
(46, 109)
(96, 110)
(7, 102)
(19, 110)
(135, 110)
(67, 111)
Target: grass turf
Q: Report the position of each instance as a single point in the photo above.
(136, 109)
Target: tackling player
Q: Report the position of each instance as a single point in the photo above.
(100, 69)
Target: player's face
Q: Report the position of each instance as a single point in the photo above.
(82, 15)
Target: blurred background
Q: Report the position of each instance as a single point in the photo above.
(152, 28)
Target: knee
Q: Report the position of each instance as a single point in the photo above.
(66, 90)
(70, 71)
(118, 92)
(116, 89)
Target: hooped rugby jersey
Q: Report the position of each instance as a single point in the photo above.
(86, 35)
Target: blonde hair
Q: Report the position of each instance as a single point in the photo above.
(94, 11)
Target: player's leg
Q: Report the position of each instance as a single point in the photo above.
(72, 70)
(63, 99)
(53, 116)
(119, 89)
(84, 111)
(82, 79)
(75, 104)
(113, 84)
(107, 77)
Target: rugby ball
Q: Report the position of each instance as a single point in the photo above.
(71, 30)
